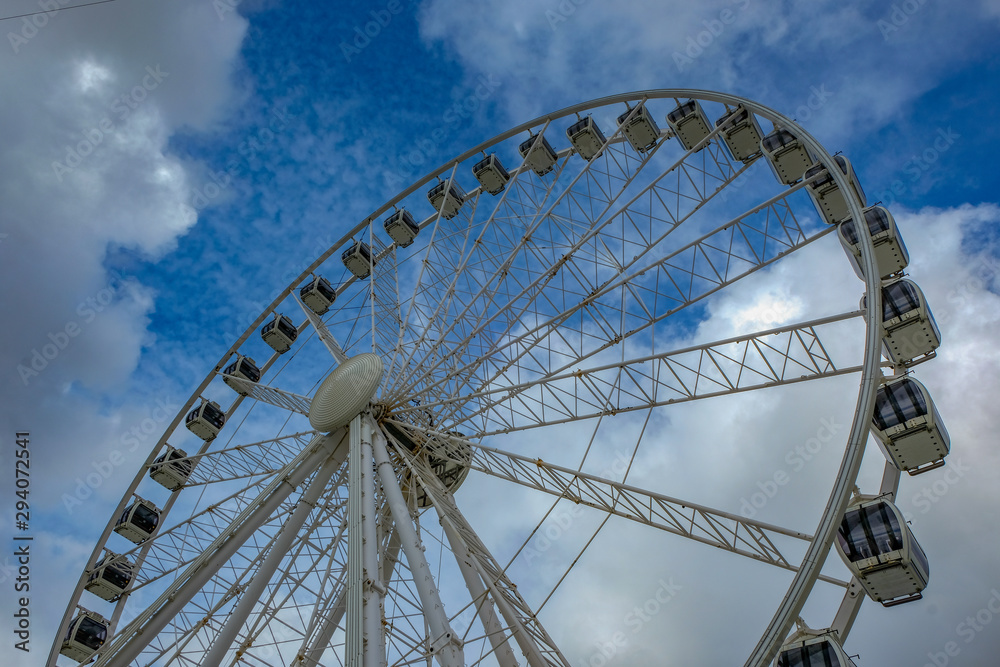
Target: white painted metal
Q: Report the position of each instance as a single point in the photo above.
(289, 533)
(373, 590)
(462, 341)
(445, 644)
(483, 604)
(130, 641)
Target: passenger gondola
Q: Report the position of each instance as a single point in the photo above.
(401, 227)
(138, 521)
(586, 138)
(813, 648)
(109, 578)
(891, 255)
(318, 295)
(358, 259)
(85, 635)
(826, 194)
(689, 123)
(879, 549)
(787, 156)
(640, 130)
(242, 370)
(908, 426)
(172, 468)
(206, 420)
(910, 334)
(741, 134)
(279, 333)
(538, 154)
(491, 174)
(448, 205)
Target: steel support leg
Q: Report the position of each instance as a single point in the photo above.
(445, 645)
(279, 549)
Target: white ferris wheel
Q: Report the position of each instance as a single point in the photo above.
(305, 506)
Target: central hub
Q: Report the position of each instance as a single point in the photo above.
(346, 392)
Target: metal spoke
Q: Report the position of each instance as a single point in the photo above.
(784, 355)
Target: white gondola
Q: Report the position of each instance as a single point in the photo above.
(689, 122)
(109, 578)
(358, 259)
(879, 549)
(491, 174)
(244, 369)
(138, 521)
(401, 227)
(448, 205)
(172, 468)
(279, 333)
(908, 427)
(586, 138)
(910, 334)
(85, 635)
(826, 194)
(891, 255)
(538, 154)
(318, 295)
(813, 648)
(788, 158)
(741, 134)
(641, 130)
(206, 420)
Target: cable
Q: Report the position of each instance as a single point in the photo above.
(52, 11)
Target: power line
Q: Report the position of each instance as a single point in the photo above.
(57, 9)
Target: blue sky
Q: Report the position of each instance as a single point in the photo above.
(234, 142)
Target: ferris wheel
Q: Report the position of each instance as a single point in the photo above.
(305, 507)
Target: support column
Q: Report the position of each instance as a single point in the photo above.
(128, 646)
(445, 645)
(354, 628)
(484, 607)
(374, 591)
(279, 548)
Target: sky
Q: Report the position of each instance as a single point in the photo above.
(168, 167)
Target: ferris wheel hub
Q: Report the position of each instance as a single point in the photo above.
(345, 392)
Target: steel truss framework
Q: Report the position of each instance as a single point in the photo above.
(569, 297)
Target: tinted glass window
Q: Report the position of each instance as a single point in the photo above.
(821, 654)
(898, 403)
(776, 140)
(869, 531)
(145, 519)
(898, 298)
(91, 633)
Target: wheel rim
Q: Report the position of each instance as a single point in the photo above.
(439, 377)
